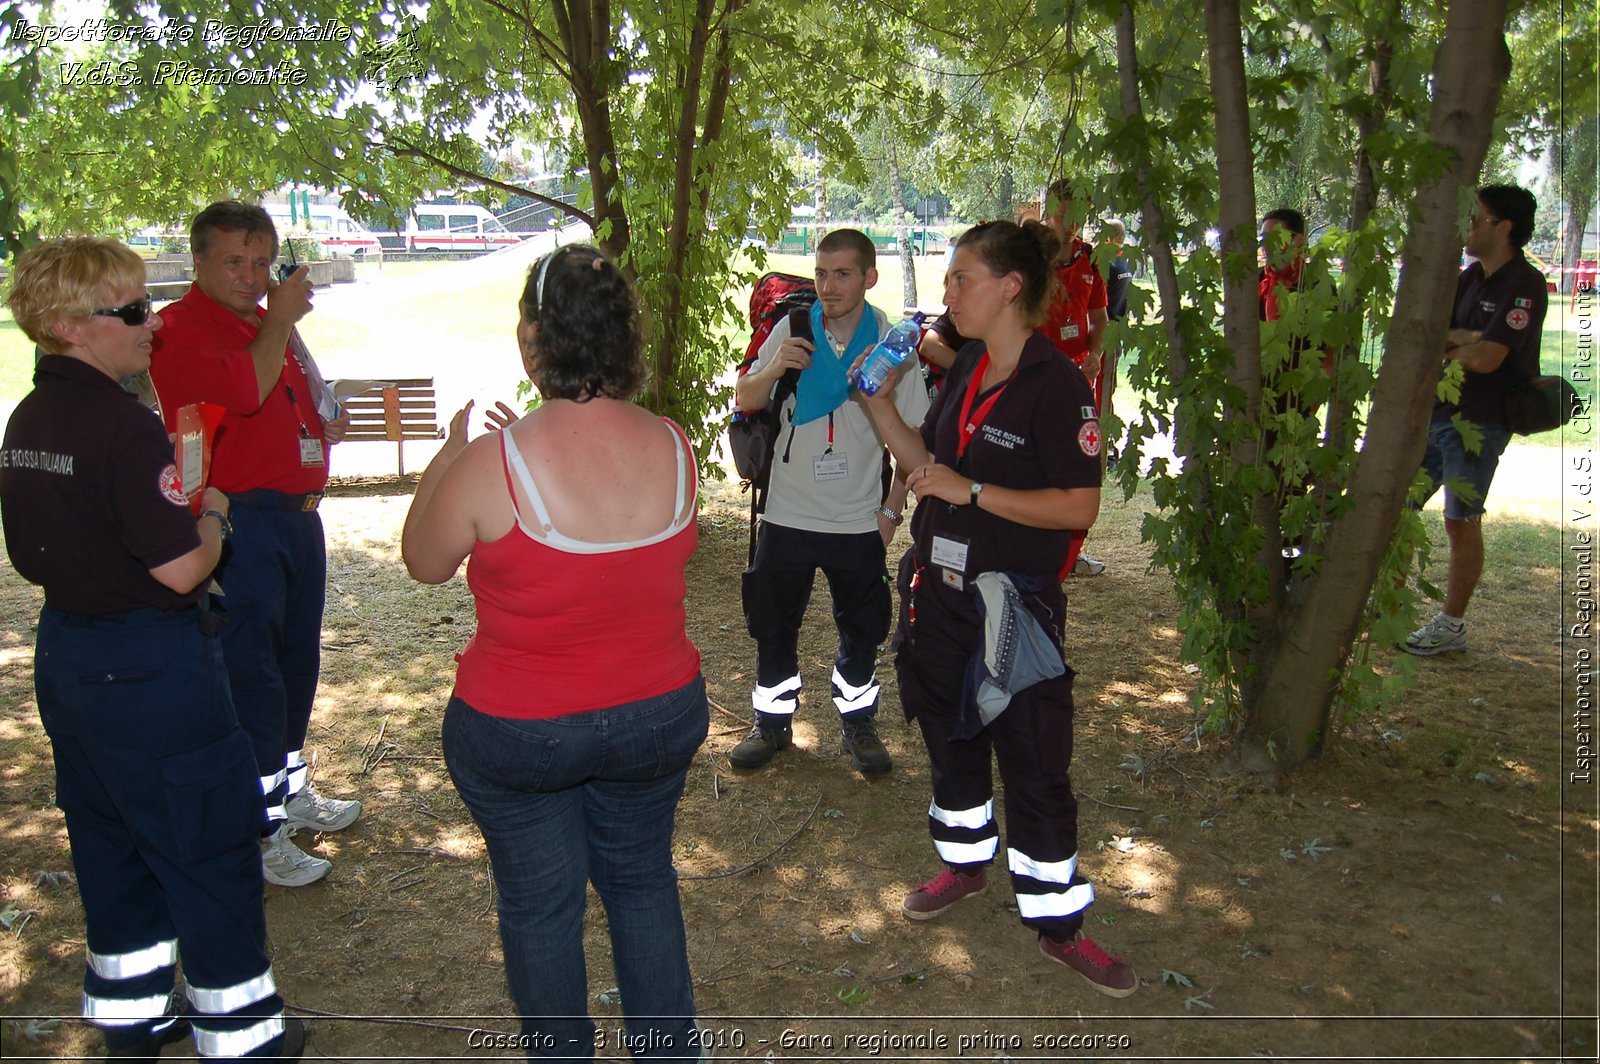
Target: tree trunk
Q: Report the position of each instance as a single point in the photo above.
(1008, 194)
(1578, 157)
(902, 234)
(1286, 721)
(1241, 324)
(585, 28)
(1156, 239)
(665, 344)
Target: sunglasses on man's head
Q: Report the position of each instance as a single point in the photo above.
(135, 313)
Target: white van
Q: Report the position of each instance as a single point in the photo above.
(456, 227)
(329, 225)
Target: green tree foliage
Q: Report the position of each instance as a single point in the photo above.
(665, 111)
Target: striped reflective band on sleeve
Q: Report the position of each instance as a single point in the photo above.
(1066, 903)
(136, 962)
(233, 998)
(237, 1043)
(977, 817)
(848, 698)
(123, 1012)
(779, 698)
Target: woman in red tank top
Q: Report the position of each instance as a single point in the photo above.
(578, 703)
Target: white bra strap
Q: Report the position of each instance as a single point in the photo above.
(525, 478)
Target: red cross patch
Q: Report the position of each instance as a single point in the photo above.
(1517, 318)
(172, 487)
(1089, 438)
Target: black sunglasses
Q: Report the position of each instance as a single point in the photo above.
(135, 313)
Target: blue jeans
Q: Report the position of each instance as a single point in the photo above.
(569, 800)
(1447, 460)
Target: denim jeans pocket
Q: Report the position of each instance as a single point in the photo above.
(678, 738)
(505, 752)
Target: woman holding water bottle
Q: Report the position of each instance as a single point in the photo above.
(1006, 462)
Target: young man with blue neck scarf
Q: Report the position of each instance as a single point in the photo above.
(828, 508)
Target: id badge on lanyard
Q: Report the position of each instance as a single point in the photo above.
(311, 454)
(827, 465)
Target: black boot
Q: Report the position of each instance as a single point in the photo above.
(859, 732)
(771, 734)
(147, 1050)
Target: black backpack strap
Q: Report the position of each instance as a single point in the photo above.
(788, 385)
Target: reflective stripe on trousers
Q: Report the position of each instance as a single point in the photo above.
(1046, 889)
(239, 1042)
(134, 963)
(849, 698)
(123, 1012)
(780, 699)
(964, 836)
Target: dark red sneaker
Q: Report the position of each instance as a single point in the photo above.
(943, 891)
(1105, 973)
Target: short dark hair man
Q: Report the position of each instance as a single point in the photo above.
(271, 458)
(1494, 333)
(826, 508)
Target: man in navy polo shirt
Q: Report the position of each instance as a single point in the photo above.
(1494, 334)
(271, 458)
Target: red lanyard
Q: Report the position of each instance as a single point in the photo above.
(970, 420)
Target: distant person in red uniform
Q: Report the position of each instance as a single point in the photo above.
(218, 345)
(578, 704)
(1076, 320)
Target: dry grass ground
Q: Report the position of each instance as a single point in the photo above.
(1427, 889)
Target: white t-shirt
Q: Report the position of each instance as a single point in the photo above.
(837, 490)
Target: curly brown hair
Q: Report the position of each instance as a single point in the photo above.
(589, 342)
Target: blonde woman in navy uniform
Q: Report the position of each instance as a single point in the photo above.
(1005, 464)
(157, 782)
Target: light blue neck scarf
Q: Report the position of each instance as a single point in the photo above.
(824, 387)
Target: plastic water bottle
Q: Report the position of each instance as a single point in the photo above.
(893, 349)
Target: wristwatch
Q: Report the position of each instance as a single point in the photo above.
(222, 519)
(977, 489)
(893, 517)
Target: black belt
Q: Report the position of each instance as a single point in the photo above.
(277, 500)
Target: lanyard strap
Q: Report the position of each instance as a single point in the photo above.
(970, 419)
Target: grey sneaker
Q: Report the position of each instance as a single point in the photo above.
(285, 865)
(1438, 636)
(308, 809)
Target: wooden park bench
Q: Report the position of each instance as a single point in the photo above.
(405, 410)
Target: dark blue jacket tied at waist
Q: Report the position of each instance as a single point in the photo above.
(1014, 654)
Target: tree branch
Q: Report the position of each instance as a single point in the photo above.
(409, 152)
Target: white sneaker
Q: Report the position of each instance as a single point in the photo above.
(1438, 636)
(1087, 566)
(285, 865)
(308, 809)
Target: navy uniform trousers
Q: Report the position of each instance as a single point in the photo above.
(163, 811)
(776, 591)
(273, 575)
(1031, 741)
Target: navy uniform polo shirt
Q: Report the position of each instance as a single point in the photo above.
(1041, 433)
(89, 494)
(1508, 308)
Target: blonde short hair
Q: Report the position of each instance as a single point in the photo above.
(65, 279)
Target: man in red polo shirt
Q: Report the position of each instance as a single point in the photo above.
(1076, 324)
(218, 345)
